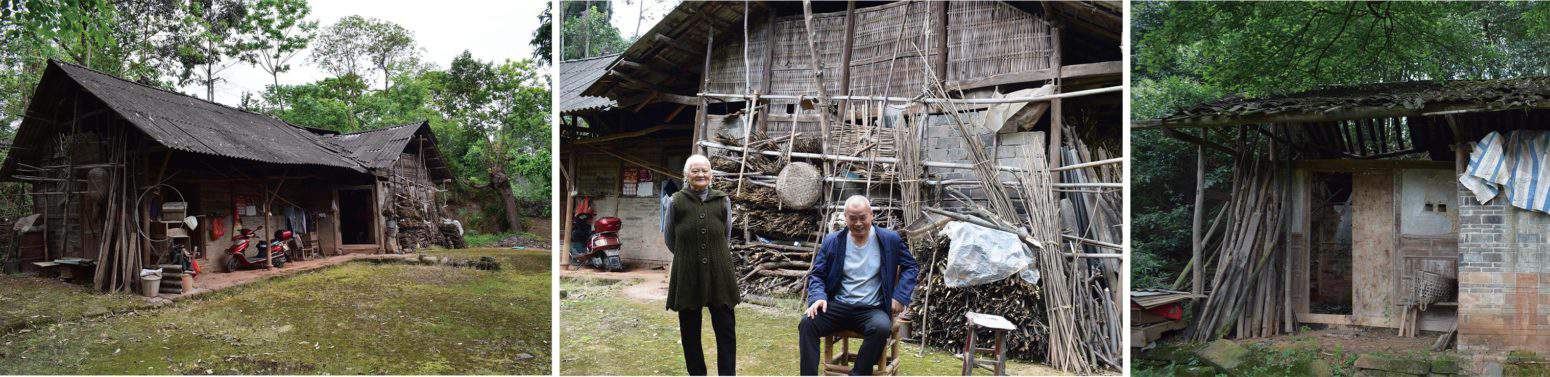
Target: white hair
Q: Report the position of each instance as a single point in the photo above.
(859, 202)
(695, 159)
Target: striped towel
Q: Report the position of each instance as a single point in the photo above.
(1514, 163)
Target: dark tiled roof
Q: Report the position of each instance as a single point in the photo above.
(1391, 99)
(576, 76)
(193, 125)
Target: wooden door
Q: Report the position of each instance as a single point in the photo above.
(1373, 248)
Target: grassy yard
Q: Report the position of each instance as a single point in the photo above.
(357, 318)
(603, 332)
(29, 302)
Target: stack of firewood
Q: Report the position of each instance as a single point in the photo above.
(944, 325)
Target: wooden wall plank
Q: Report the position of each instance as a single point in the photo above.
(1373, 248)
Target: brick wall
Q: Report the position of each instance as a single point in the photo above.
(1504, 276)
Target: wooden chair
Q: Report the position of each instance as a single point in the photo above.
(840, 365)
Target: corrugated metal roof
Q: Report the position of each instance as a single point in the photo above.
(193, 125)
(576, 76)
(378, 149)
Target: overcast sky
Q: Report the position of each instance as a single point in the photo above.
(627, 12)
(492, 30)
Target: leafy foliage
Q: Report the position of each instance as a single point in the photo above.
(354, 43)
(587, 32)
(1190, 52)
(282, 33)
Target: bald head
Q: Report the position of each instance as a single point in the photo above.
(858, 216)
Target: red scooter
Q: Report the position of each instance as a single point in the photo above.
(603, 246)
(237, 255)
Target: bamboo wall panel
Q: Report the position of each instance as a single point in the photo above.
(726, 63)
(992, 38)
(879, 40)
(792, 72)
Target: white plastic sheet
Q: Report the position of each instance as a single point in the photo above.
(980, 255)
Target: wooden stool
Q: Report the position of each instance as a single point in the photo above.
(840, 365)
(997, 325)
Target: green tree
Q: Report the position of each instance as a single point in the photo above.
(543, 41)
(218, 34)
(354, 43)
(282, 33)
(504, 110)
(587, 32)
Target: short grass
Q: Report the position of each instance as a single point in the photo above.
(603, 332)
(27, 302)
(485, 239)
(357, 318)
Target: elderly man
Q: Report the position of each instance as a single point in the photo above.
(862, 276)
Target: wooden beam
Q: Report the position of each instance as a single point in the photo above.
(1176, 134)
(638, 162)
(1075, 71)
(1370, 165)
(675, 44)
(631, 134)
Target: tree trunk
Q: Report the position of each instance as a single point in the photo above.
(502, 184)
(210, 76)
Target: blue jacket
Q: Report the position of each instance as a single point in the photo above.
(828, 268)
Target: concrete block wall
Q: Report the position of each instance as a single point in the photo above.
(1504, 276)
(598, 176)
(944, 144)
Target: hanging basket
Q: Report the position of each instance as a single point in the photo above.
(1431, 288)
(799, 185)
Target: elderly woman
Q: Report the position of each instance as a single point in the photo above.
(697, 225)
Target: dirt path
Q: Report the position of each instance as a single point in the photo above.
(652, 285)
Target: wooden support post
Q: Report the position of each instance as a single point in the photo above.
(569, 185)
(938, 10)
(1056, 109)
(1197, 279)
(704, 106)
(850, 42)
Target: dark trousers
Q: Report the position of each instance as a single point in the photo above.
(872, 322)
(723, 322)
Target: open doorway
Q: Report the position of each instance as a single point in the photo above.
(355, 225)
(1329, 286)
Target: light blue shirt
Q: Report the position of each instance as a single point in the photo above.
(862, 283)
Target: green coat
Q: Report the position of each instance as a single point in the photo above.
(702, 273)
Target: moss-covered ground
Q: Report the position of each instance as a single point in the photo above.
(356, 318)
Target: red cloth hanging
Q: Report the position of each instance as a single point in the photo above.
(585, 206)
(216, 228)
